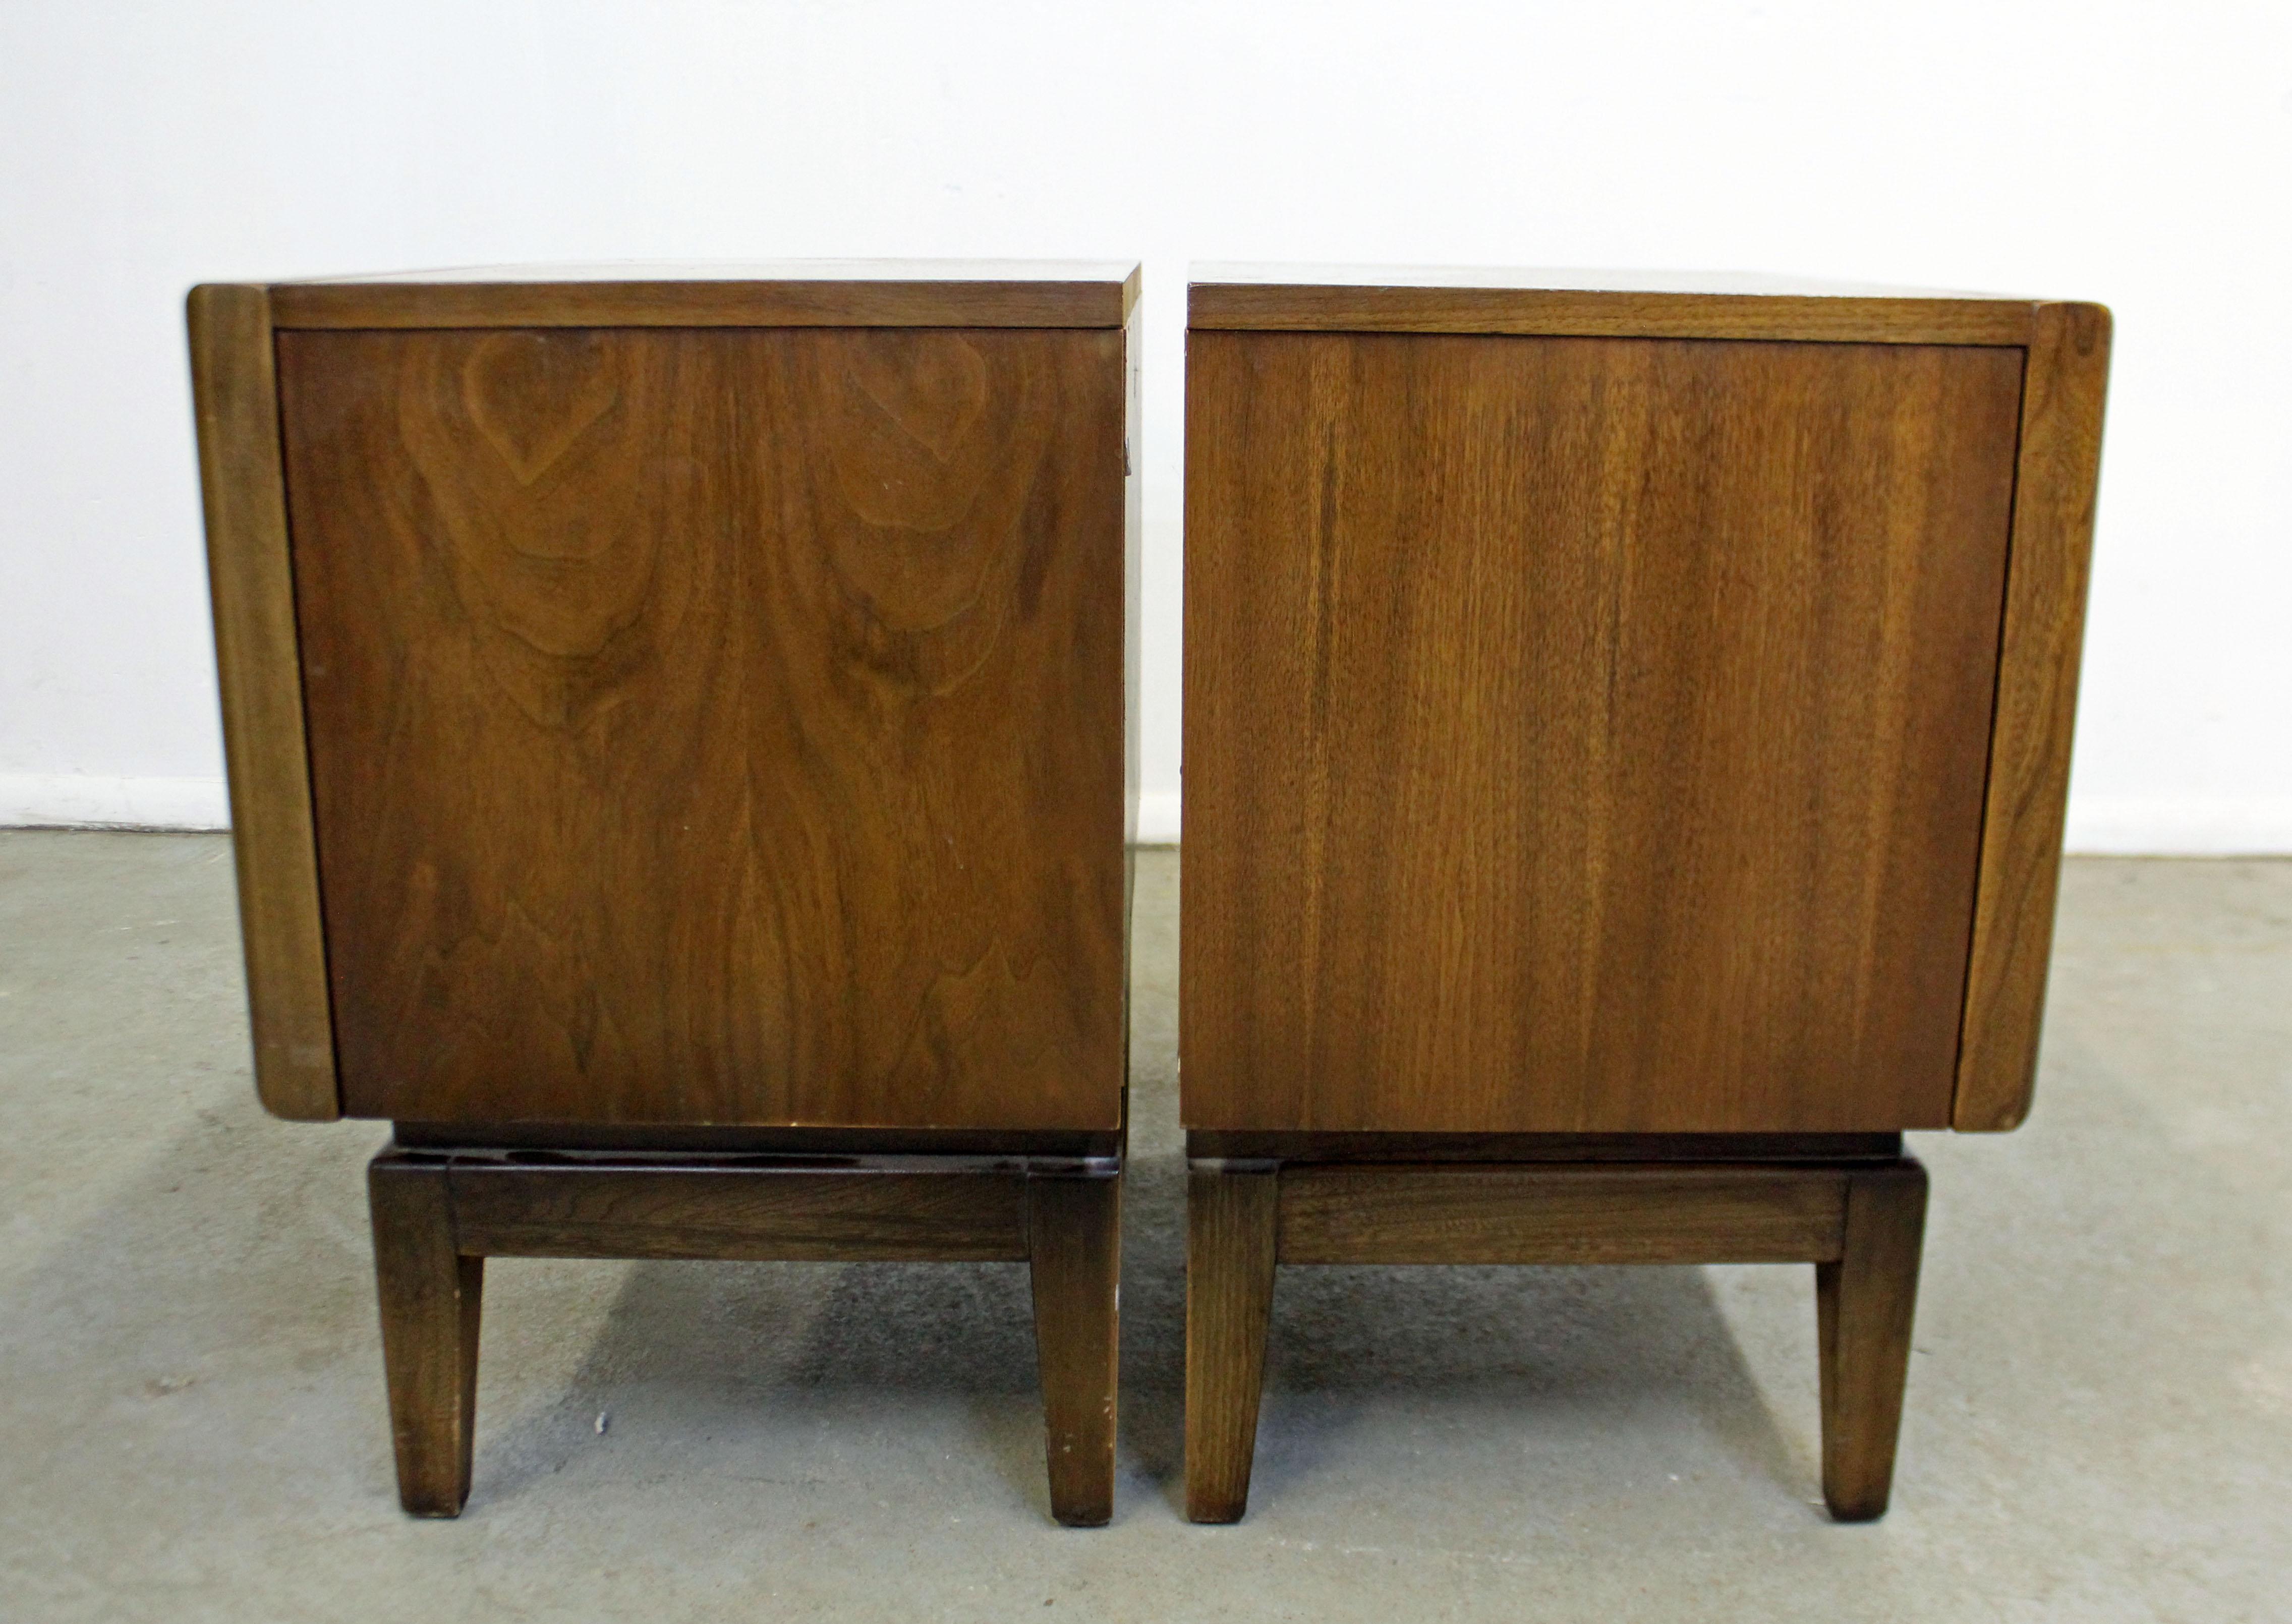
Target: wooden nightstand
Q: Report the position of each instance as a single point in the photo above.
(679, 744)
(1626, 729)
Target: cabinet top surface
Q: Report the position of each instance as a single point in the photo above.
(1113, 272)
(777, 293)
(1546, 278)
(1274, 297)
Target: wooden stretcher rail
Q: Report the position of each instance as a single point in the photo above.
(1518, 1214)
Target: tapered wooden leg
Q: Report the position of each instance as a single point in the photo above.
(430, 1298)
(1231, 1231)
(1074, 1252)
(1863, 1304)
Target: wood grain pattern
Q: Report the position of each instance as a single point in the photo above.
(235, 393)
(787, 303)
(790, 1213)
(1219, 1144)
(1864, 1304)
(1074, 1256)
(715, 726)
(1231, 1219)
(1590, 313)
(1585, 736)
(1134, 552)
(429, 1294)
(846, 1144)
(2049, 561)
(1517, 1214)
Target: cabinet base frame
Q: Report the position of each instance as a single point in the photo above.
(1860, 1223)
(439, 1214)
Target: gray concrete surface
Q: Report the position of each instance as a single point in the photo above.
(191, 1419)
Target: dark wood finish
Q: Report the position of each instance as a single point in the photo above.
(437, 1216)
(765, 1210)
(717, 726)
(1418, 302)
(1134, 526)
(1517, 1214)
(1218, 1145)
(1860, 1223)
(1674, 661)
(1232, 1220)
(2057, 480)
(429, 1293)
(806, 299)
(1864, 1302)
(838, 1143)
(701, 705)
(235, 393)
(1627, 730)
(1074, 1251)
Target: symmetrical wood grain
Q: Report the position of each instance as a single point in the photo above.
(1232, 1218)
(2057, 479)
(1403, 307)
(256, 652)
(717, 726)
(1584, 735)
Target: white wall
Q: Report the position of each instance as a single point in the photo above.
(2135, 154)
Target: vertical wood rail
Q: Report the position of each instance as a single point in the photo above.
(1074, 1256)
(2057, 479)
(429, 1297)
(1232, 1221)
(258, 658)
(1864, 1303)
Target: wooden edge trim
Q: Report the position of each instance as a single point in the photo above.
(1133, 603)
(1291, 1144)
(2049, 557)
(700, 303)
(1517, 1214)
(841, 1143)
(785, 1213)
(258, 662)
(1564, 313)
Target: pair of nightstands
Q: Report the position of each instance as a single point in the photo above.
(682, 741)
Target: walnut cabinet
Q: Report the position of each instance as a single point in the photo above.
(1626, 729)
(680, 730)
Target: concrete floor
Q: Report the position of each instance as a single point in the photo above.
(191, 1421)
